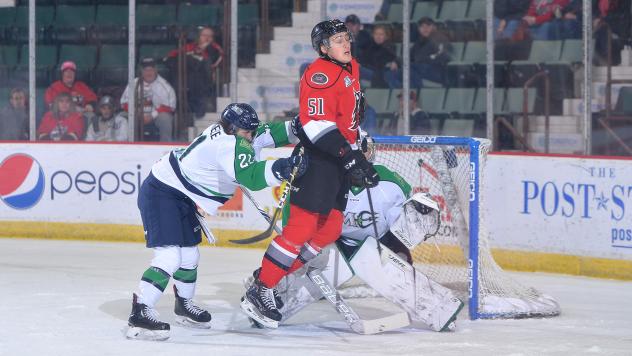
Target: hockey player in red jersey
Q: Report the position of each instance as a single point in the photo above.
(331, 106)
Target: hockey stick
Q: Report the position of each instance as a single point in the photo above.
(205, 229)
(277, 212)
(374, 223)
(259, 208)
(358, 325)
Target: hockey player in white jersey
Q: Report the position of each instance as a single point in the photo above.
(403, 221)
(200, 177)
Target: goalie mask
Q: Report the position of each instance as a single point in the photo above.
(418, 221)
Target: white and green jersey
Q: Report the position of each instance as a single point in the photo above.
(388, 198)
(209, 170)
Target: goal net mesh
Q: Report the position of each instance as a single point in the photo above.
(444, 172)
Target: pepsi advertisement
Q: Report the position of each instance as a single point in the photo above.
(74, 182)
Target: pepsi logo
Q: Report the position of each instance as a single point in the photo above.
(21, 181)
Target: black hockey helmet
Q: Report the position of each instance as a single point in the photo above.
(324, 30)
(239, 115)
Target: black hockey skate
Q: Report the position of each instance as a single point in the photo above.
(258, 303)
(255, 275)
(144, 324)
(189, 314)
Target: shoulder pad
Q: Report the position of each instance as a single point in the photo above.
(322, 74)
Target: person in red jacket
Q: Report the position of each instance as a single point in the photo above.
(330, 110)
(202, 58)
(544, 19)
(83, 97)
(63, 122)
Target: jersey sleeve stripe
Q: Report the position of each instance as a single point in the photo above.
(173, 161)
(315, 129)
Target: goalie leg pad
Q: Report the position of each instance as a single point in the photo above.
(298, 291)
(399, 282)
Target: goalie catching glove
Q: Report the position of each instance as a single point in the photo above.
(282, 168)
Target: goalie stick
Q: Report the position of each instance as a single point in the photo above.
(277, 212)
(358, 325)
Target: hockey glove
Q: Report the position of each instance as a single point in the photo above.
(282, 167)
(361, 171)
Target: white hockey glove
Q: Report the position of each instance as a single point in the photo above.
(419, 220)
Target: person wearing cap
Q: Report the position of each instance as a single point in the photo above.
(63, 122)
(202, 58)
(107, 125)
(158, 102)
(419, 119)
(83, 97)
(14, 119)
(361, 38)
(429, 56)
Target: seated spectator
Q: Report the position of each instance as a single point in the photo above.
(419, 119)
(361, 37)
(158, 100)
(62, 122)
(377, 57)
(616, 15)
(429, 56)
(202, 58)
(83, 97)
(544, 19)
(14, 119)
(508, 16)
(106, 125)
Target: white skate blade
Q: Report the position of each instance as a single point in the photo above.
(189, 323)
(252, 312)
(255, 324)
(137, 333)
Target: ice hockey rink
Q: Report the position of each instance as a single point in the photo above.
(73, 298)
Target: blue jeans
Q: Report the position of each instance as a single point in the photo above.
(508, 32)
(370, 121)
(556, 30)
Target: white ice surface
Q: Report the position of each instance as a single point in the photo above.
(73, 298)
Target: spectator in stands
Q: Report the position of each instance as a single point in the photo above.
(158, 99)
(508, 16)
(361, 38)
(419, 119)
(429, 56)
(378, 56)
(107, 125)
(83, 97)
(544, 18)
(14, 121)
(63, 122)
(616, 15)
(202, 58)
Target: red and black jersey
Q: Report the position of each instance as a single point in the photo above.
(329, 100)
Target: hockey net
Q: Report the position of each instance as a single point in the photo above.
(451, 170)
